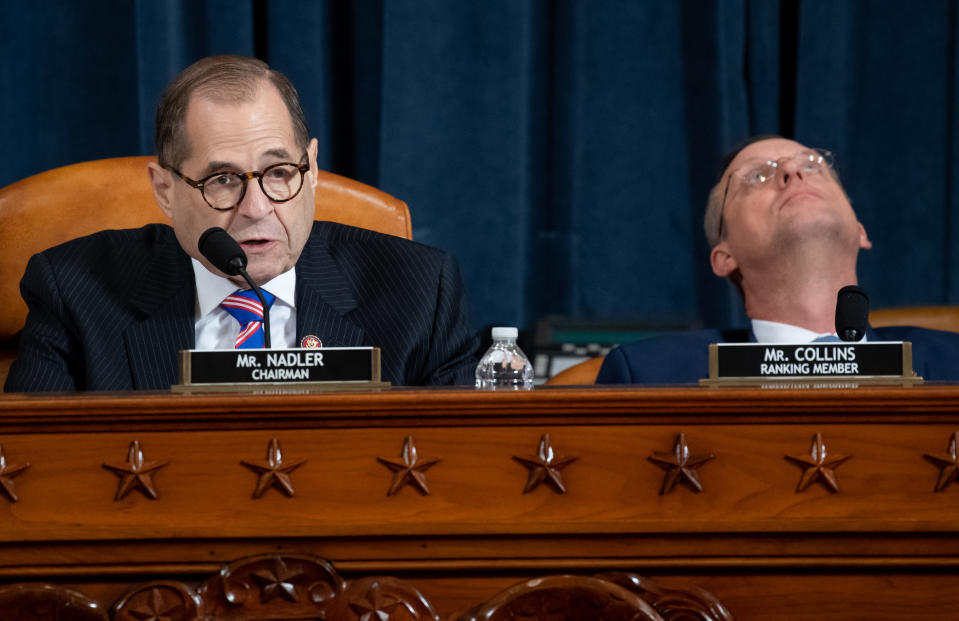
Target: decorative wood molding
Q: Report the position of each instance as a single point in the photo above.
(46, 602)
(167, 600)
(384, 598)
(680, 466)
(136, 473)
(272, 586)
(687, 604)
(7, 472)
(545, 466)
(410, 471)
(948, 463)
(572, 598)
(302, 586)
(818, 466)
(616, 595)
(273, 473)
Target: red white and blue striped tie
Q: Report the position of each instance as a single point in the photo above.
(245, 307)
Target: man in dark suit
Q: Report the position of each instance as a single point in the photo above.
(782, 229)
(110, 311)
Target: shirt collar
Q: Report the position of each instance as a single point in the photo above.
(212, 288)
(775, 332)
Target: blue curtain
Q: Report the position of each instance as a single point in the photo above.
(563, 150)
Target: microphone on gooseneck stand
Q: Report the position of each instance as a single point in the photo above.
(852, 313)
(227, 256)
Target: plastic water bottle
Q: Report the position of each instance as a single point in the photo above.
(504, 366)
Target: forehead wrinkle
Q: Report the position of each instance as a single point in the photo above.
(278, 152)
(239, 126)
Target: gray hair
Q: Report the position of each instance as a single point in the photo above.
(228, 78)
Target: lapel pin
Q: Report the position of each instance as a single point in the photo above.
(311, 342)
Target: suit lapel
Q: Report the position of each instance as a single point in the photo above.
(324, 297)
(164, 310)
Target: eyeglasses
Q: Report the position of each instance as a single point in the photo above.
(223, 191)
(756, 174)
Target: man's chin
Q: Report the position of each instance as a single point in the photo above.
(812, 217)
(820, 230)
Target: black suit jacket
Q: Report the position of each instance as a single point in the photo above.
(111, 310)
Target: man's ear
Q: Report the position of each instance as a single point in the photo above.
(864, 243)
(161, 180)
(722, 261)
(311, 157)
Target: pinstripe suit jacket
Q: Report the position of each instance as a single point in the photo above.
(111, 310)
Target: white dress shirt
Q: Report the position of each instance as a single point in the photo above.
(775, 332)
(217, 329)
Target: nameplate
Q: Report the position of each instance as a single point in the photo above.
(826, 363)
(302, 368)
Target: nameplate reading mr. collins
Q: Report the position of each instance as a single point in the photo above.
(763, 361)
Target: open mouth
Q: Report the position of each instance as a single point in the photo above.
(255, 242)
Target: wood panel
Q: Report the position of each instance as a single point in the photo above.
(884, 537)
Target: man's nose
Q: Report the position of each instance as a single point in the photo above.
(255, 203)
(789, 171)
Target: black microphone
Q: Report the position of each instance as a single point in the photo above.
(226, 255)
(852, 313)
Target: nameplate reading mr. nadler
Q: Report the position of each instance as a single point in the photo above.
(260, 366)
(886, 360)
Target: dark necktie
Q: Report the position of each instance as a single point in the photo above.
(245, 307)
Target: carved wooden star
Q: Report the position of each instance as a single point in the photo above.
(680, 466)
(156, 608)
(6, 476)
(278, 582)
(948, 463)
(135, 473)
(545, 467)
(376, 606)
(818, 466)
(275, 472)
(412, 470)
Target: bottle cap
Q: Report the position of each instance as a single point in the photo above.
(505, 333)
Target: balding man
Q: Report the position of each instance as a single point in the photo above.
(782, 229)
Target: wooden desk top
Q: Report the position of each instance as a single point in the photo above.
(468, 407)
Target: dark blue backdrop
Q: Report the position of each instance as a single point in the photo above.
(562, 150)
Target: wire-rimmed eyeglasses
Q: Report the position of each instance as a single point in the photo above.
(223, 191)
(757, 174)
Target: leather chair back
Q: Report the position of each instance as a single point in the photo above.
(932, 317)
(580, 374)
